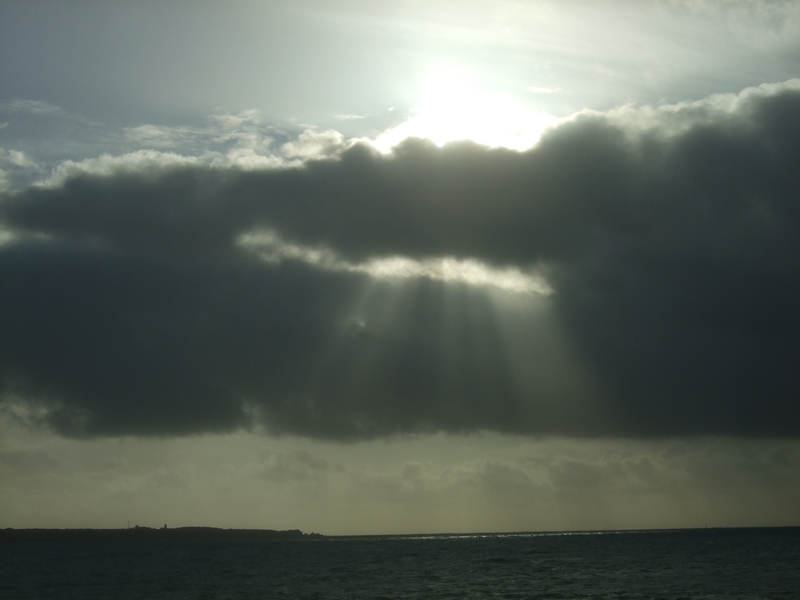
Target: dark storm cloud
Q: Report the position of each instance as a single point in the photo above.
(113, 344)
(673, 251)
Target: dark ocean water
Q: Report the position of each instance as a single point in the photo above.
(693, 564)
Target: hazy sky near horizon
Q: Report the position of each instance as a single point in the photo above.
(375, 267)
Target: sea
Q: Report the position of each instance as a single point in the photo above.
(762, 563)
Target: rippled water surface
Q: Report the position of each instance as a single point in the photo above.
(708, 564)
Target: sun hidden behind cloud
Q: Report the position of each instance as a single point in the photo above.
(454, 109)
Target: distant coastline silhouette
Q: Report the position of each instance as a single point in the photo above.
(149, 533)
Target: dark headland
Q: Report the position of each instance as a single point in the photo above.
(149, 533)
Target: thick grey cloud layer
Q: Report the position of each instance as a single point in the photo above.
(673, 250)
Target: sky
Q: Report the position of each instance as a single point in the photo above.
(400, 267)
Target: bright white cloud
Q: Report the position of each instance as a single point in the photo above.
(673, 119)
(141, 161)
(272, 248)
(38, 107)
(155, 136)
(19, 159)
(312, 143)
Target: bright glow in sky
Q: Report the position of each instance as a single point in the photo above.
(454, 109)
